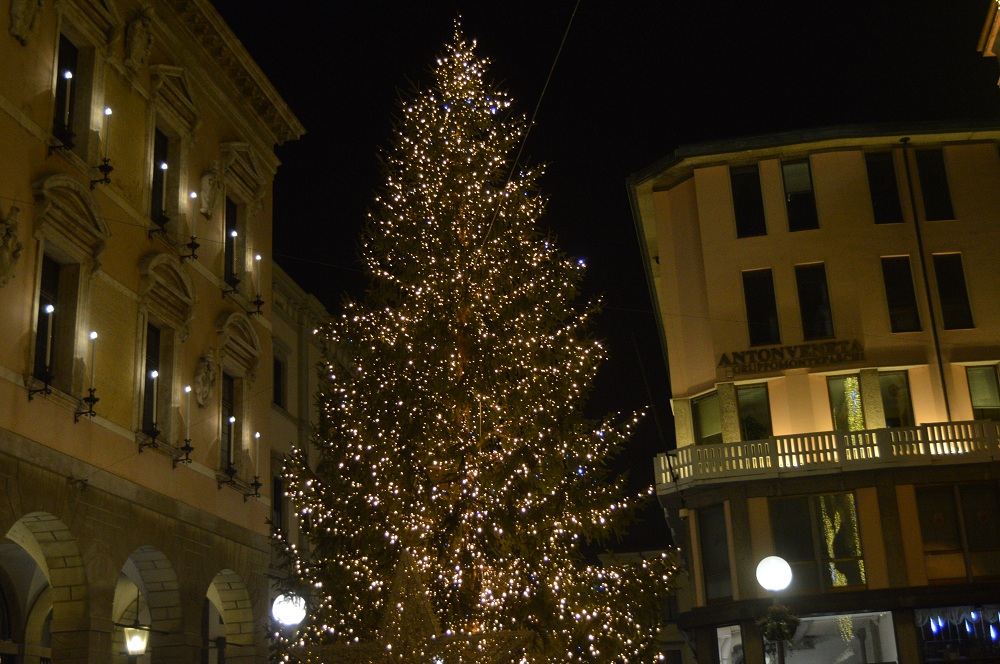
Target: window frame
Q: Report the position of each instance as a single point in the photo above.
(769, 322)
(804, 279)
(846, 426)
(718, 513)
(883, 188)
(239, 352)
(993, 371)
(800, 204)
(904, 302)
(960, 512)
(740, 410)
(956, 312)
(696, 402)
(935, 189)
(908, 398)
(748, 201)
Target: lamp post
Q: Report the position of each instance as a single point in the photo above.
(289, 610)
(774, 574)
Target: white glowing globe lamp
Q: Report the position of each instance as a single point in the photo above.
(774, 574)
(289, 610)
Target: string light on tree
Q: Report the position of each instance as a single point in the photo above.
(457, 477)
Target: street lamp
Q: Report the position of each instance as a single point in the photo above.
(289, 610)
(774, 574)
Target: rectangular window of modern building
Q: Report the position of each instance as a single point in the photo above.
(228, 413)
(845, 403)
(799, 198)
(715, 554)
(960, 526)
(820, 538)
(814, 301)
(896, 404)
(934, 185)
(984, 392)
(956, 313)
(762, 309)
(900, 295)
(229, 248)
(707, 419)
(884, 188)
(754, 411)
(152, 363)
(748, 203)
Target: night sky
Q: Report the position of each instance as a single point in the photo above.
(634, 81)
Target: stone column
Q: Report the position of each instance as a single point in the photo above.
(871, 399)
(729, 412)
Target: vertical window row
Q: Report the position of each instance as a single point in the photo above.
(761, 307)
(800, 201)
(814, 301)
(884, 188)
(229, 420)
(748, 203)
(230, 242)
(934, 185)
(956, 312)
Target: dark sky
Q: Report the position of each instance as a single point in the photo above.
(634, 81)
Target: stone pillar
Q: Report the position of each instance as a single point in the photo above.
(753, 643)
(907, 640)
(683, 421)
(729, 411)
(81, 647)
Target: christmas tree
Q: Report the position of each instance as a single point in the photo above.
(456, 477)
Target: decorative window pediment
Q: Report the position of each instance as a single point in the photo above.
(67, 211)
(240, 171)
(239, 345)
(173, 99)
(97, 19)
(168, 291)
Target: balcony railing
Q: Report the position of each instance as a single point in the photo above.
(829, 451)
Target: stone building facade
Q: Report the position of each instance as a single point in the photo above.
(135, 465)
(829, 314)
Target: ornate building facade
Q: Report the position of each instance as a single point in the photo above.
(828, 309)
(136, 329)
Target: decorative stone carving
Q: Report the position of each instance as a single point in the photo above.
(139, 40)
(24, 16)
(209, 190)
(204, 378)
(10, 248)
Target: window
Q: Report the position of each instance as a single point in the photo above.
(960, 527)
(984, 392)
(956, 314)
(748, 204)
(895, 388)
(231, 227)
(845, 403)
(715, 554)
(934, 185)
(707, 419)
(799, 198)
(45, 330)
(762, 310)
(814, 301)
(820, 539)
(884, 188)
(229, 422)
(899, 294)
(279, 397)
(160, 166)
(151, 410)
(754, 412)
(67, 85)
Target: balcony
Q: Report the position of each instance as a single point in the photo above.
(798, 455)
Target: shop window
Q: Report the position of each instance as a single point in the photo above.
(762, 309)
(884, 188)
(820, 539)
(984, 392)
(934, 185)
(900, 295)
(814, 301)
(799, 198)
(960, 527)
(845, 403)
(714, 542)
(956, 313)
(754, 412)
(959, 633)
(707, 419)
(748, 203)
(895, 388)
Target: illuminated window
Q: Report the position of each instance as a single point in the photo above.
(48, 298)
(152, 363)
(158, 203)
(960, 527)
(956, 313)
(900, 295)
(814, 301)
(799, 198)
(845, 403)
(707, 419)
(820, 539)
(884, 188)
(984, 392)
(232, 223)
(229, 422)
(934, 185)
(754, 412)
(714, 542)
(748, 204)
(895, 388)
(67, 85)
(762, 310)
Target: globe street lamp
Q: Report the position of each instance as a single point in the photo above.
(774, 574)
(289, 610)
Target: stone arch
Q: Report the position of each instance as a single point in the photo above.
(230, 597)
(159, 586)
(56, 595)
